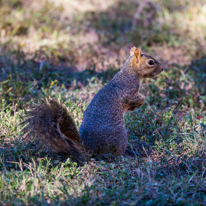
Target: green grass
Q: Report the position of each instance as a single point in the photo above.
(69, 52)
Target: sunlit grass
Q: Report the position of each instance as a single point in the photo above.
(69, 50)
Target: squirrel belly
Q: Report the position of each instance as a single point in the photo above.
(102, 130)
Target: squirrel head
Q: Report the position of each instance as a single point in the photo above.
(143, 65)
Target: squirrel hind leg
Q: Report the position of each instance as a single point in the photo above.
(120, 151)
(120, 146)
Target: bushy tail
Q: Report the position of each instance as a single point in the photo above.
(50, 125)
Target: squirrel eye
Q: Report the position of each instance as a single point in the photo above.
(150, 62)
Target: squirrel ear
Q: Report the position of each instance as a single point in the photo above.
(132, 50)
(137, 54)
(136, 59)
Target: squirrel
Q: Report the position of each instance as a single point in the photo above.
(102, 130)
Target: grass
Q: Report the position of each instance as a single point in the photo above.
(71, 50)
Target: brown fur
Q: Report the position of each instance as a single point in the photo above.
(50, 124)
(102, 130)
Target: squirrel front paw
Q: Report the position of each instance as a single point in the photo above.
(133, 107)
(140, 99)
(139, 102)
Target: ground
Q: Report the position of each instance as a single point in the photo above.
(71, 49)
